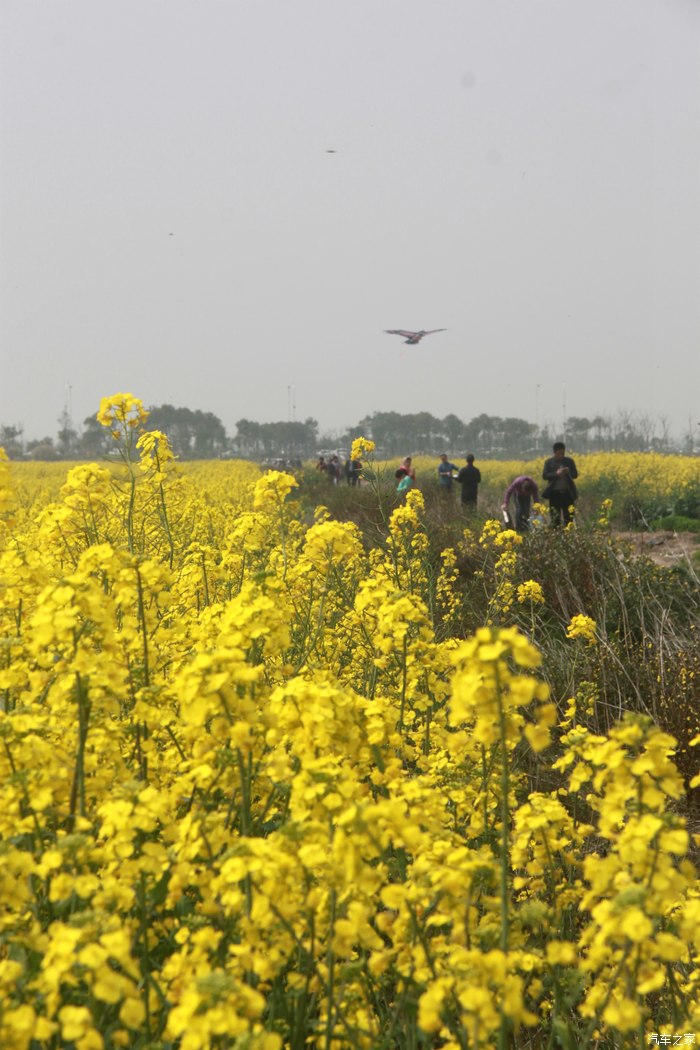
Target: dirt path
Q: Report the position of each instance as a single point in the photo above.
(664, 548)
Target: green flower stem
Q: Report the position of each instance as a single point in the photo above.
(77, 795)
(142, 627)
(504, 850)
(145, 952)
(164, 516)
(330, 964)
(404, 675)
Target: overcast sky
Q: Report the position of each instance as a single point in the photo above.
(210, 202)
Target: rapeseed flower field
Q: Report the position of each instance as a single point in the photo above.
(261, 790)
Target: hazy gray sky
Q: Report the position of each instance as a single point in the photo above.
(524, 173)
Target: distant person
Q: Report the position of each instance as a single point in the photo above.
(321, 464)
(356, 472)
(334, 470)
(446, 472)
(348, 471)
(523, 491)
(407, 465)
(559, 473)
(469, 479)
(405, 481)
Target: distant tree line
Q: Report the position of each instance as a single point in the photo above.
(194, 434)
(273, 440)
(511, 436)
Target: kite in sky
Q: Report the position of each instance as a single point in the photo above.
(412, 338)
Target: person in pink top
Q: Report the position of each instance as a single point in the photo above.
(407, 465)
(523, 491)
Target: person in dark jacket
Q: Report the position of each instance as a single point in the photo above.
(469, 479)
(333, 470)
(559, 473)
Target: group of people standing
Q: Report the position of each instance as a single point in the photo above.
(405, 475)
(468, 478)
(559, 472)
(334, 470)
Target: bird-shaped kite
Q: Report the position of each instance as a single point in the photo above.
(412, 338)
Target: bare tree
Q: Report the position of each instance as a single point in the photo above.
(665, 428)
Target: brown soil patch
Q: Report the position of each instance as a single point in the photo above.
(664, 548)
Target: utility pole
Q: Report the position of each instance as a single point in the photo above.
(66, 432)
